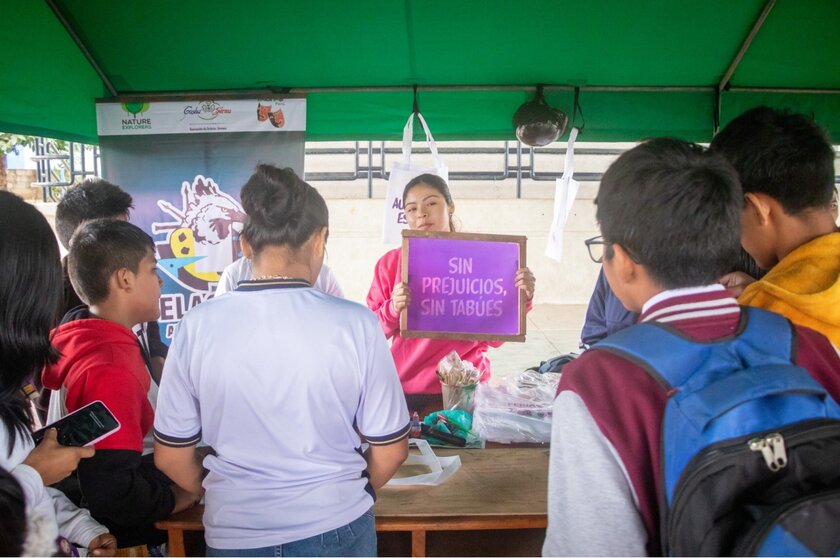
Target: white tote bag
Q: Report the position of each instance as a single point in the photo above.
(564, 197)
(440, 468)
(401, 173)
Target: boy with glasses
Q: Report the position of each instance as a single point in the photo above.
(669, 213)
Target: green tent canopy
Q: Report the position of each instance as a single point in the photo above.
(643, 68)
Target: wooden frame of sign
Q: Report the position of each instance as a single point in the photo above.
(519, 336)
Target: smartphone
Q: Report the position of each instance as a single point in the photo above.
(82, 427)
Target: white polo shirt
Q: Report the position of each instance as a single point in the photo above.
(240, 270)
(276, 377)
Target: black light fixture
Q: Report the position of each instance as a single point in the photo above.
(538, 124)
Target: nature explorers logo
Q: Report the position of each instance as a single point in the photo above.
(136, 121)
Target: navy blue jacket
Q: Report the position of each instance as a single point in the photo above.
(605, 315)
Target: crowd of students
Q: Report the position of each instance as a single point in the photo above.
(269, 389)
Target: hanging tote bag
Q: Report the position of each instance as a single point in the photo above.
(402, 172)
(564, 197)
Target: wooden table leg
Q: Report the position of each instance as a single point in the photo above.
(418, 543)
(176, 543)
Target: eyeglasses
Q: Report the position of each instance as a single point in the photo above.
(595, 245)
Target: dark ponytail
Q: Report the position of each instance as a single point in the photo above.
(30, 291)
(282, 209)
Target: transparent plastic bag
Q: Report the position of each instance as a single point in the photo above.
(516, 410)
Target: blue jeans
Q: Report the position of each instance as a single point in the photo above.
(357, 538)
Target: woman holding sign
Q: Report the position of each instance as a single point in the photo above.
(428, 207)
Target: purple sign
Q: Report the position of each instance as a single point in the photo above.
(463, 285)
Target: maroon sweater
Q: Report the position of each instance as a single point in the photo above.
(628, 405)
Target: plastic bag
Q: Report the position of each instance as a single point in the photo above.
(441, 468)
(517, 410)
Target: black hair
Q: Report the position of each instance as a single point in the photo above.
(98, 249)
(784, 155)
(30, 293)
(432, 180)
(746, 264)
(675, 208)
(435, 182)
(13, 511)
(282, 209)
(92, 199)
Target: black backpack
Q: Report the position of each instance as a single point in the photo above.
(750, 442)
(554, 364)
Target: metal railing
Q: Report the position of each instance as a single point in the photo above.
(518, 162)
(60, 164)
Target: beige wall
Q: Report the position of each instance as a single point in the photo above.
(481, 206)
(355, 242)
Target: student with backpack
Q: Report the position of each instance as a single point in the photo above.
(683, 433)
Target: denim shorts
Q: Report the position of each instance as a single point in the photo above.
(357, 538)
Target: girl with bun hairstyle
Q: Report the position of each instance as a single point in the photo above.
(428, 207)
(283, 381)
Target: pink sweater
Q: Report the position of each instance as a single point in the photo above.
(417, 359)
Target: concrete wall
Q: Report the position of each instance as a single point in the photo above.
(19, 182)
(355, 242)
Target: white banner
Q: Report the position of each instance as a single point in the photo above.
(201, 117)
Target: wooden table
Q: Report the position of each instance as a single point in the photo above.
(494, 489)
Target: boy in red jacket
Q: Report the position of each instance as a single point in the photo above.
(112, 267)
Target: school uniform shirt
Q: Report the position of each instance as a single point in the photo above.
(241, 270)
(417, 359)
(102, 360)
(603, 494)
(280, 379)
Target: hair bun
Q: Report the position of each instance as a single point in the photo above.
(281, 200)
(281, 208)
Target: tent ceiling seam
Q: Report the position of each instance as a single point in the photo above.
(299, 92)
(746, 44)
(82, 47)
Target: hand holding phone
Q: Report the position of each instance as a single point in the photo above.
(82, 427)
(53, 461)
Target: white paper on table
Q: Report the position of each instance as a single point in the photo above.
(564, 198)
(441, 467)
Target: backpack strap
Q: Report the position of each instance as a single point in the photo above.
(671, 357)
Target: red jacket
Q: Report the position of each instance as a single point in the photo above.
(101, 360)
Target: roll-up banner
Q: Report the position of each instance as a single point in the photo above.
(184, 164)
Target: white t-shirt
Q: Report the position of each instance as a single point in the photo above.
(277, 377)
(240, 270)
